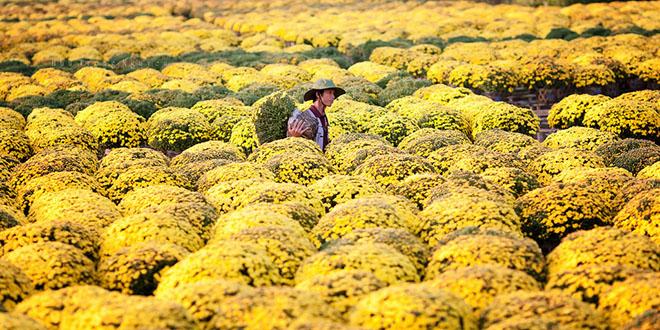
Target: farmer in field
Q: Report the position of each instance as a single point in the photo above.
(313, 124)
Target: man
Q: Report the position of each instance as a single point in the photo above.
(313, 124)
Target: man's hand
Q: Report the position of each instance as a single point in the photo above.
(297, 128)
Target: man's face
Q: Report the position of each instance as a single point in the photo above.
(328, 96)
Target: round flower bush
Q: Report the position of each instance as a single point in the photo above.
(271, 115)
(426, 140)
(56, 159)
(392, 126)
(7, 165)
(178, 202)
(625, 118)
(504, 141)
(485, 78)
(233, 171)
(113, 124)
(149, 227)
(119, 160)
(443, 158)
(202, 299)
(207, 151)
(637, 159)
(242, 262)
(388, 170)
(514, 180)
(336, 189)
(303, 214)
(354, 154)
(417, 187)
(82, 206)
(427, 114)
(236, 221)
(271, 308)
(607, 181)
(244, 136)
(361, 213)
(342, 123)
(60, 230)
(550, 164)
(631, 189)
(570, 110)
(487, 248)
(552, 212)
(459, 181)
(506, 117)
(589, 282)
(48, 127)
(342, 289)
(466, 208)
(382, 260)
(52, 265)
(193, 172)
(650, 172)
(19, 321)
(628, 299)
(268, 150)
(14, 143)
(479, 285)
(140, 177)
(441, 93)
(135, 269)
(227, 196)
(11, 119)
(301, 168)
(273, 192)
(611, 150)
(286, 246)
(412, 306)
(10, 217)
(400, 239)
(645, 321)
(481, 160)
(601, 246)
(543, 72)
(217, 108)
(554, 306)
(86, 307)
(52, 182)
(579, 137)
(15, 285)
(176, 129)
(641, 215)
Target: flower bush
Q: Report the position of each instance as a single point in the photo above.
(417, 187)
(625, 118)
(140, 177)
(243, 262)
(149, 227)
(637, 159)
(14, 143)
(300, 168)
(426, 140)
(483, 248)
(506, 117)
(612, 150)
(233, 171)
(82, 206)
(19, 321)
(305, 215)
(412, 306)
(427, 114)
(207, 151)
(570, 110)
(271, 308)
(550, 164)
(286, 246)
(393, 127)
(514, 180)
(113, 125)
(337, 189)
(15, 285)
(176, 129)
(466, 208)
(271, 115)
(384, 261)
(342, 289)
(52, 265)
(558, 307)
(480, 285)
(136, 269)
(640, 214)
(579, 137)
(601, 246)
(202, 299)
(650, 172)
(244, 136)
(628, 299)
(388, 170)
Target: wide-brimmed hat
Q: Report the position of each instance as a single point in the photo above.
(320, 85)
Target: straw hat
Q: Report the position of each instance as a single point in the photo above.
(322, 84)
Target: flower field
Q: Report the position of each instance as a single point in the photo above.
(489, 167)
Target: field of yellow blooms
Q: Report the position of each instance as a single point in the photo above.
(489, 167)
